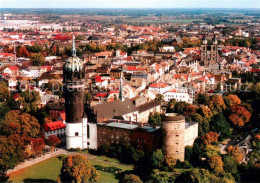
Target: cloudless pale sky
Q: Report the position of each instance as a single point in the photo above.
(129, 3)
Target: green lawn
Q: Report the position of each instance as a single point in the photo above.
(48, 171)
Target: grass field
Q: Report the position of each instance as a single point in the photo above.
(48, 171)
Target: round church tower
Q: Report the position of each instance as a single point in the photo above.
(173, 131)
(74, 80)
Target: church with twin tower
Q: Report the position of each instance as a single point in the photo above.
(79, 132)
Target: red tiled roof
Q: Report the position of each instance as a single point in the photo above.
(53, 126)
(158, 85)
(63, 115)
(225, 50)
(7, 54)
(48, 67)
(16, 96)
(102, 95)
(13, 68)
(112, 92)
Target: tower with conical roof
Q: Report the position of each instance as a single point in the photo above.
(74, 81)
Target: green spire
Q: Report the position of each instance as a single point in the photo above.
(73, 50)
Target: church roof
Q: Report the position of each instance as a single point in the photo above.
(108, 110)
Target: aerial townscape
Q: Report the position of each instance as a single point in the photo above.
(130, 95)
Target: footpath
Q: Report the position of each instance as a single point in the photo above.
(36, 160)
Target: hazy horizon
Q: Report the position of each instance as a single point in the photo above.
(132, 4)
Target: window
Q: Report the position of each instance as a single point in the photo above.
(76, 133)
(88, 135)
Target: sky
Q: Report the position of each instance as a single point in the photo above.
(129, 3)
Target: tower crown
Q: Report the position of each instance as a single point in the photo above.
(204, 40)
(74, 68)
(215, 40)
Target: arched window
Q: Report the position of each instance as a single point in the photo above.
(88, 135)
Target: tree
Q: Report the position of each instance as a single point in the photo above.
(230, 165)
(217, 104)
(170, 162)
(155, 119)
(37, 146)
(232, 100)
(190, 110)
(235, 153)
(29, 101)
(171, 105)
(239, 116)
(194, 176)
(203, 123)
(35, 48)
(157, 159)
(88, 97)
(210, 150)
(180, 107)
(216, 164)
(159, 97)
(4, 108)
(11, 153)
(219, 124)
(78, 169)
(4, 92)
(22, 52)
(202, 98)
(209, 138)
(53, 141)
(21, 124)
(205, 112)
(37, 59)
(130, 178)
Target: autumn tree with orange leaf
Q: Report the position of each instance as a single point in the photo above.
(217, 104)
(190, 110)
(216, 164)
(53, 141)
(77, 169)
(209, 138)
(235, 153)
(240, 116)
(233, 100)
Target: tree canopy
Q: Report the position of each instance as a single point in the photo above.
(78, 169)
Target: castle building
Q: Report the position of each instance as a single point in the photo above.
(77, 127)
(210, 56)
(115, 122)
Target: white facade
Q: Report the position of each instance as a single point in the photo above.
(81, 135)
(179, 96)
(58, 132)
(8, 71)
(191, 133)
(31, 73)
(74, 136)
(92, 136)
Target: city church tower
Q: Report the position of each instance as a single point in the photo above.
(74, 81)
(209, 54)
